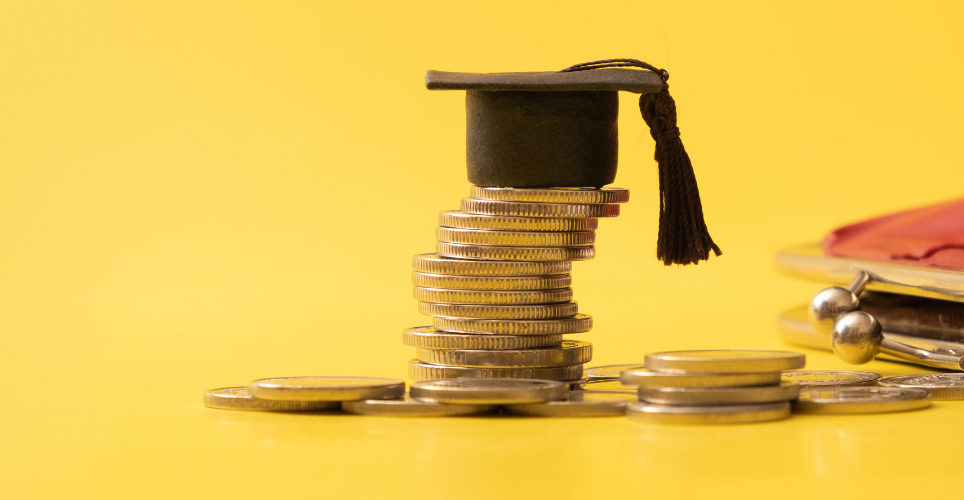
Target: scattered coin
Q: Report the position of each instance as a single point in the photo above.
(707, 415)
(515, 238)
(492, 252)
(326, 388)
(571, 352)
(840, 400)
(609, 371)
(435, 264)
(424, 371)
(505, 297)
(940, 385)
(826, 378)
(238, 398)
(427, 280)
(431, 338)
(408, 407)
(554, 195)
(579, 323)
(719, 395)
(526, 209)
(725, 361)
(490, 311)
(488, 391)
(578, 404)
(607, 385)
(645, 378)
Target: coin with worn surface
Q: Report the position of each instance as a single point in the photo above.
(431, 338)
(707, 415)
(434, 264)
(515, 238)
(489, 391)
(571, 352)
(607, 385)
(504, 297)
(455, 218)
(719, 395)
(526, 209)
(409, 407)
(551, 281)
(941, 385)
(490, 311)
(644, 378)
(424, 371)
(238, 398)
(552, 195)
(579, 323)
(534, 254)
(841, 400)
(326, 388)
(725, 361)
(825, 378)
(609, 371)
(578, 404)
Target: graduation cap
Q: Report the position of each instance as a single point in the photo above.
(559, 129)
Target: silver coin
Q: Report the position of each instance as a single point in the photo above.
(841, 400)
(409, 407)
(643, 377)
(238, 398)
(720, 395)
(606, 385)
(940, 385)
(578, 404)
(724, 361)
(835, 378)
(707, 415)
(431, 338)
(609, 371)
(489, 391)
(326, 388)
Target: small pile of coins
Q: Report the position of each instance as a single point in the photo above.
(498, 286)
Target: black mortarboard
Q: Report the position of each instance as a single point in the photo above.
(559, 129)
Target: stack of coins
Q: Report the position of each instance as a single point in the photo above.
(498, 286)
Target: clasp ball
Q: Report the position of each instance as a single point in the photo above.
(856, 337)
(827, 305)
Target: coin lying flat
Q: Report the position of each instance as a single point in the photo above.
(607, 385)
(571, 352)
(644, 378)
(719, 395)
(238, 398)
(535, 254)
(707, 415)
(326, 388)
(940, 385)
(827, 378)
(504, 297)
(579, 323)
(609, 371)
(489, 391)
(408, 407)
(455, 218)
(841, 400)
(427, 280)
(490, 311)
(525, 209)
(578, 404)
(515, 238)
(725, 361)
(424, 371)
(552, 195)
(434, 264)
(431, 338)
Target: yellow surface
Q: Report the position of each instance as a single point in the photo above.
(196, 194)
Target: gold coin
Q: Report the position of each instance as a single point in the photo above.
(725, 361)
(551, 281)
(707, 415)
(578, 404)
(488, 391)
(408, 407)
(552, 195)
(433, 264)
(841, 400)
(455, 218)
(514, 238)
(607, 385)
(644, 378)
(536, 254)
(785, 391)
(424, 371)
(826, 378)
(326, 388)
(609, 372)
(579, 323)
(487, 311)
(431, 338)
(940, 385)
(523, 209)
(506, 297)
(238, 398)
(571, 352)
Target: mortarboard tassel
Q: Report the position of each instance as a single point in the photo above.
(683, 237)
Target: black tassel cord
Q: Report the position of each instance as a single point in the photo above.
(683, 237)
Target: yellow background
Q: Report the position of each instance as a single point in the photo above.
(196, 194)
